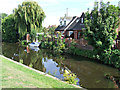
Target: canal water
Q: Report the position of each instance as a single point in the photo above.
(90, 74)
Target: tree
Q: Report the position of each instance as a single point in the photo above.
(9, 32)
(51, 29)
(101, 26)
(4, 15)
(28, 15)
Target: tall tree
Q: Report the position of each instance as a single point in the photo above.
(4, 15)
(101, 26)
(9, 32)
(28, 15)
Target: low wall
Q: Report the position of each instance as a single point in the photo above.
(81, 43)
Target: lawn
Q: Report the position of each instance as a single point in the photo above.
(17, 76)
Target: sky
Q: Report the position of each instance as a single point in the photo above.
(54, 9)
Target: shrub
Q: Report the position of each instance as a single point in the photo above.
(70, 77)
(24, 42)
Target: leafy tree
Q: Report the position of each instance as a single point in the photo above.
(101, 26)
(9, 32)
(4, 15)
(27, 15)
(51, 29)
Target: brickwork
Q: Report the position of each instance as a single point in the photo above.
(75, 35)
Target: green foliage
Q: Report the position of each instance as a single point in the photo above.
(51, 30)
(101, 26)
(33, 35)
(40, 37)
(115, 58)
(9, 32)
(101, 32)
(52, 42)
(4, 15)
(70, 77)
(24, 42)
(28, 15)
(21, 61)
(109, 57)
(85, 53)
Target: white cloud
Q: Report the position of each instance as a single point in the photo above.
(7, 6)
(51, 20)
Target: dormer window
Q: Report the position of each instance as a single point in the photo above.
(81, 20)
(65, 22)
(60, 22)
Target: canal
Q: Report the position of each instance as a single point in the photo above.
(90, 74)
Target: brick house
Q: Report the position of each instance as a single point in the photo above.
(73, 28)
(73, 31)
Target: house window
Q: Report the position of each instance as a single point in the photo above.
(60, 21)
(70, 32)
(81, 20)
(62, 32)
(65, 22)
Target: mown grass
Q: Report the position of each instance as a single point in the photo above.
(17, 76)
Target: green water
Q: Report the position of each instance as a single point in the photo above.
(90, 74)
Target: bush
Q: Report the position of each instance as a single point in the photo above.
(24, 42)
(70, 77)
(115, 58)
(106, 57)
(9, 33)
(57, 45)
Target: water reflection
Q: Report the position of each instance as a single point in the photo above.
(90, 74)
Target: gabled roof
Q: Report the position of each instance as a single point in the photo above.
(60, 28)
(74, 24)
(83, 15)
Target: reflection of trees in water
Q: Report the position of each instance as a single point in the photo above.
(10, 50)
(26, 57)
(37, 64)
(33, 59)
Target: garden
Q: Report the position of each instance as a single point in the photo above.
(100, 32)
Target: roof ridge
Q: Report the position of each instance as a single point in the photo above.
(70, 24)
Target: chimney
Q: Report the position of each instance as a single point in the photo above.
(66, 12)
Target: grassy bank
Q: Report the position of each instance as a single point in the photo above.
(17, 76)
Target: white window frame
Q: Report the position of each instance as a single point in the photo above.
(81, 20)
(70, 32)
